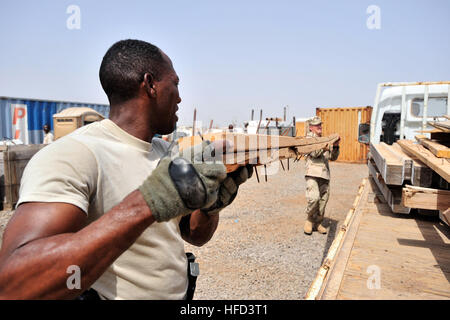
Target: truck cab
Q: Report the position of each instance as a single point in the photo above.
(401, 110)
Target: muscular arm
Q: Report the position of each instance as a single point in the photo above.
(43, 239)
(198, 227)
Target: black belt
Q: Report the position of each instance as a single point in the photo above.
(90, 294)
(193, 272)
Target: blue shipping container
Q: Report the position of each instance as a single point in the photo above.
(39, 112)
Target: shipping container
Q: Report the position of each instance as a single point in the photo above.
(300, 126)
(345, 122)
(24, 118)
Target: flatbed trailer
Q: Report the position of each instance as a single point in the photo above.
(378, 254)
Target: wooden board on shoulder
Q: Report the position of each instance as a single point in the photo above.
(259, 149)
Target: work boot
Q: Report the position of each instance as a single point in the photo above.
(308, 227)
(321, 229)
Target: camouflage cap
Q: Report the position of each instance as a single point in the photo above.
(315, 121)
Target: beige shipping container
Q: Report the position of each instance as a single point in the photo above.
(345, 122)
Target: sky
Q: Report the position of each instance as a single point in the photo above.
(231, 56)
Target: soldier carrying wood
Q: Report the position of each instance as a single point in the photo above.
(317, 176)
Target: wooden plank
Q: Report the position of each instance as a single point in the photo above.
(420, 175)
(439, 165)
(441, 125)
(425, 198)
(390, 165)
(15, 159)
(260, 149)
(435, 147)
(316, 288)
(435, 130)
(333, 281)
(445, 216)
(412, 255)
(391, 195)
(256, 142)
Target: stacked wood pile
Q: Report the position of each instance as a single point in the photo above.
(13, 160)
(260, 149)
(415, 174)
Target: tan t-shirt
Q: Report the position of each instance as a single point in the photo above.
(94, 168)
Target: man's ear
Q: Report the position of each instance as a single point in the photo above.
(149, 85)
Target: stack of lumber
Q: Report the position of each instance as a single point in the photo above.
(13, 160)
(443, 126)
(260, 149)
(396, 166)
(415, 174)
(391, 168)
(435, 153)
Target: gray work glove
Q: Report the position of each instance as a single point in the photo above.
(229, 188)
(178, 187)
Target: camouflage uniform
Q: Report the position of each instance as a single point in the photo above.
(317, 176)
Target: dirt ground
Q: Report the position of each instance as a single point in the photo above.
(4, 218)
(259, 250)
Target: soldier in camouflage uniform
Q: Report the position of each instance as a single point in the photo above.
(317, 176)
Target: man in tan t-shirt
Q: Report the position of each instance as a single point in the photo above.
(102, 205)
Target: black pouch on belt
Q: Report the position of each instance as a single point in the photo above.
(89, 294)
(193, 271)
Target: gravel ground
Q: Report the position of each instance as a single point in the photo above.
(259, 250)
(4, 218)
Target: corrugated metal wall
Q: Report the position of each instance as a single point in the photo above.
(300, 129)
(345, 122)
(40, 112)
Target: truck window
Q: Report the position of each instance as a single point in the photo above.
(437, 106)
(390, 128)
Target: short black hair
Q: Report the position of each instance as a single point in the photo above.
(124, 65)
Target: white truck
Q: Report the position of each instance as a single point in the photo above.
(378, 253)
(402, 109)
